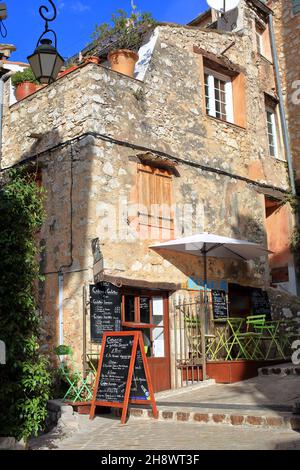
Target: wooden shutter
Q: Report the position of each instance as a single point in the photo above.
(239, 99)
(155, 198)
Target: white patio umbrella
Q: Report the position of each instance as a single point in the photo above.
(208, 244)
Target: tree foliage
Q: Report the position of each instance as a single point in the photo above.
(24, 380)
(124, 31)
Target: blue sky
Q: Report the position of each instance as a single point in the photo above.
(77, 18)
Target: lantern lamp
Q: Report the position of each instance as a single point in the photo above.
(46, 62)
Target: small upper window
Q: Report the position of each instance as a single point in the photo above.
(259, 32)
(296, 6)
(218, 96)
(272, 132)
(263, 44)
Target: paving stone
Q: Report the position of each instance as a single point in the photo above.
(107, 433)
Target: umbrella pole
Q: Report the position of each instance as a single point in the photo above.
(205, 291)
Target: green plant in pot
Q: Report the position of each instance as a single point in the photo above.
(25, 83)
(125, 34)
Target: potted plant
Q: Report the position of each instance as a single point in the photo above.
(125, 33)
(70, 67)
(25, 83)
(93, 59)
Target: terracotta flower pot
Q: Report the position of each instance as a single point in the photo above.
(25, 89)
(94, 59)
(123, 61)
(65, 72)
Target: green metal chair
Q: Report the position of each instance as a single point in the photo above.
(271, 332)
(255, 330)
(221, 347)
(239, 340)
(79, 389)
(193, 333)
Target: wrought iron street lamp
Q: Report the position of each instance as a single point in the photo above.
(46, 62)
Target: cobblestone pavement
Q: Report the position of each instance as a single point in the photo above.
(257, 392)
(106, 433)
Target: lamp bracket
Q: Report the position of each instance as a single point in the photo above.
(44, 10)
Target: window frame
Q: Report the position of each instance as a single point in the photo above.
(212, 99)
(138, 293)
(155, 221)
(275, 131)
(259, 40)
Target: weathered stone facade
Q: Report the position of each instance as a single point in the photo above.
(86, 131)
(287, 25)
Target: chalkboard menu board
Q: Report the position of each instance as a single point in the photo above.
(139, 387)
(260, 303)
(123, 375)
(219, 302)
(114, 370)
(105, 307)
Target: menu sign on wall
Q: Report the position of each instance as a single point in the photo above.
(105, 308)
(219, 302)
(260, 303)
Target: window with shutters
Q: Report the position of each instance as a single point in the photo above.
(263, 45)
(296, 6)
(218, 95)
(155, 203)
(225, 94)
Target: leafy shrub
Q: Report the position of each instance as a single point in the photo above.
(25, 76)
(25, 379)
(125, 32)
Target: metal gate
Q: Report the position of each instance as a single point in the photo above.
(187, 336)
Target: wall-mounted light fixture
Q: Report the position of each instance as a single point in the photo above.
(46, 62)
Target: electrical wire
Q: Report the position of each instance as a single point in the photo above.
(123, 143)
(3, 29)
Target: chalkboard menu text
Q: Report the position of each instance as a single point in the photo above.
(220, 306)
(123, 375)
(260, 303)
(105, 308)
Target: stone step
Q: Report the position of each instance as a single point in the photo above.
(250, 419)
(280, 370)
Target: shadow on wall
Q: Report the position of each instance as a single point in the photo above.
(63, 238)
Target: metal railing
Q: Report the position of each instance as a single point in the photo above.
(187, 337)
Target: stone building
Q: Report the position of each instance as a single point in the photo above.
(286, 26)
(193, 143)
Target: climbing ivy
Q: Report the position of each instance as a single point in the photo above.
(24, 379)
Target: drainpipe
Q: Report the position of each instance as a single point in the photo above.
(281, 108)
(3, 79)
(285, 132)
(61, 307)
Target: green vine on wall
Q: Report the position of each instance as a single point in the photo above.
(294, 202)
(25, 380)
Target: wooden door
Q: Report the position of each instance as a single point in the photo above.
(149, 312)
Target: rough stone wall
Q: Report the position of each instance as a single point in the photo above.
(165, 113)
(287, 36)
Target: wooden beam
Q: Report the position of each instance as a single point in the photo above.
(212, 60)
(137, 283)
